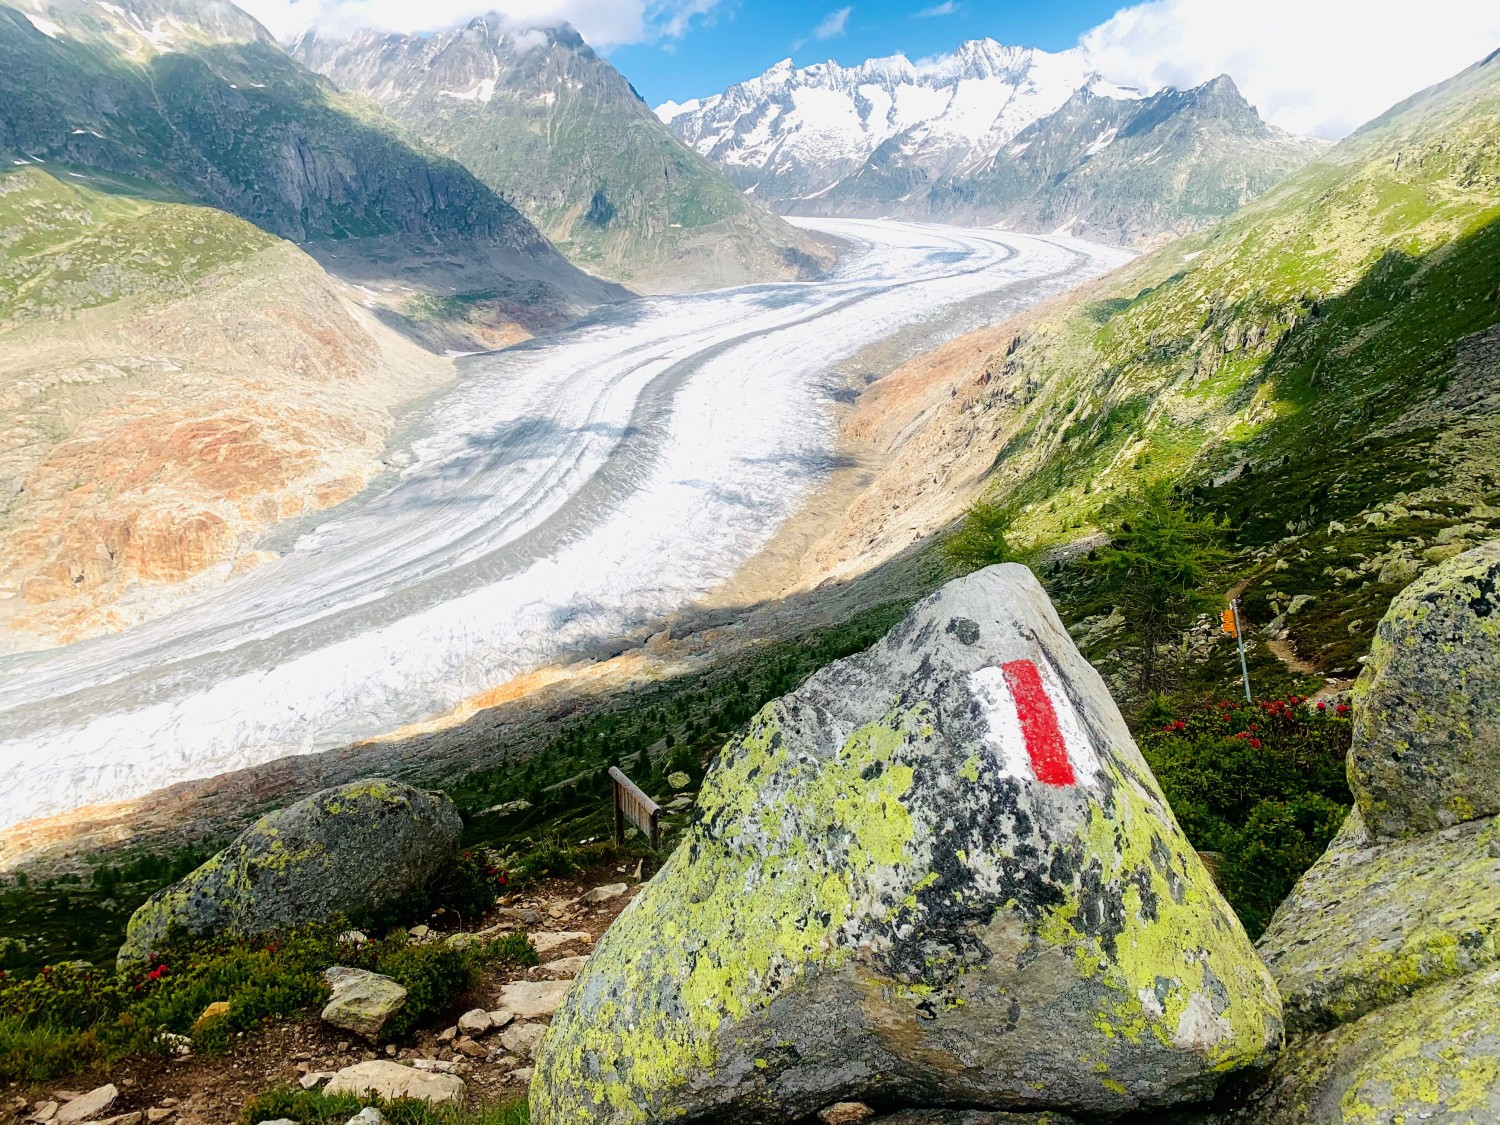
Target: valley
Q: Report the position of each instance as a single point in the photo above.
(565, 494)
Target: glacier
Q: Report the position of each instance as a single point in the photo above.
(563, 493)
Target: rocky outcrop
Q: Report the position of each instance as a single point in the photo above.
(1373, 923)
(391, 1081)
(1431, 1058)
(939, 872)
(1427, 706)
(343, 851)
(362, 1002)
(1386, 951)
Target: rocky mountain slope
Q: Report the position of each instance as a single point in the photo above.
(1124, 170)
(1320, 370)
(194, 95)
(173, 381)
(993, 134)
(556, 130)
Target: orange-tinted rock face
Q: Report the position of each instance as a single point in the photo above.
(267, 397)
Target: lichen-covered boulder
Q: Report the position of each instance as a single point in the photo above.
(938, 873)
(1374, 921)
(1426, 750)
(341, 851)
(1433, 1059)
(361, 1001)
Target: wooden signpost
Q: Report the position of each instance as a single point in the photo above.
(633, 805)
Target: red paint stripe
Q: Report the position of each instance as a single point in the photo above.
(1044, 739)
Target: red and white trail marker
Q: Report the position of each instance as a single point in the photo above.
(1033, 725)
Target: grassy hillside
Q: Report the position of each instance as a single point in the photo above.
(196, 96)
(1321, 370)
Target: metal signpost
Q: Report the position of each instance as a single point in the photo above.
(1231, 620)
(633, 805)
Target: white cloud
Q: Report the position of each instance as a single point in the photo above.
(1320, 67)
(947, 8)
(834, 25)
(604, 23)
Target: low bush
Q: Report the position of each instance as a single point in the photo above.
(67, 1018)
(1262, 785)
(313, 1107)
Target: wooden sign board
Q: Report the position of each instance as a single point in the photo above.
(634, 806)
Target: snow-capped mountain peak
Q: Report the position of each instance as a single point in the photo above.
(793, 132)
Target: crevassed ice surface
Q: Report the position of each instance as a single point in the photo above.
(561, 494)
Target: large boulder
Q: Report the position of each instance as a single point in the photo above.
(1433, 1058)
(1426, 749)
(342, 851)
(1375, 921)
(938, 873)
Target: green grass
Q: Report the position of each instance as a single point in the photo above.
(66, 1018)
(313, 1107)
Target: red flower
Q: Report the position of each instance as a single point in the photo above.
(1179, 725)
(1167, 729)
(1255, 742)
(1342, 708)
(1322, 706)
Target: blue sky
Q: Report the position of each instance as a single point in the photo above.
(740, 40)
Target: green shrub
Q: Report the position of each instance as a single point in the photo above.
(313, 1107)
(1262, 785)
(66, 1019)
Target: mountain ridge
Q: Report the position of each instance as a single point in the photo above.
(820, 141)
(550, 125)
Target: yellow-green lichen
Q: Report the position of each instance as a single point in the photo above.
(749, 904)
(1215, 999)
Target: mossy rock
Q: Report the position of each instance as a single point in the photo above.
(1433, 1058)
(340, 852)
(938, 873)
(1426, 751)
(1372, 922)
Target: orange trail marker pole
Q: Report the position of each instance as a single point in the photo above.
(1233, 612)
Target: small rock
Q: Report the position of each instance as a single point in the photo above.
(845, 1113)
(390, 1050)
(217, 1010)
(545, 943)
(278, 1121)
(420, 933)
(447, 1035)
(678, 780)
(467, 1046)
(131, 1118)
(476, 1022)
(390, 1080)
(45, 1111)
(87, 1107)
(314, 1078)
(565, 968)
(362, 1002)
(603, 894)
(462, 940)
(520, 1074)
(367, 1116)
(520, 915)
(499, 1018)
(155, 1114)
(530, 1000)
(522, 1039)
